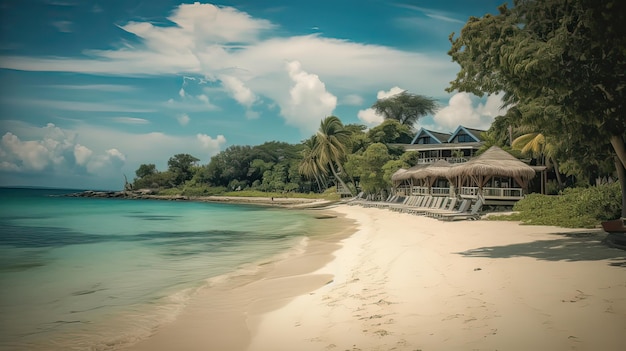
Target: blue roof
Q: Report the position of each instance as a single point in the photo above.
(438, 137)
(473, 133)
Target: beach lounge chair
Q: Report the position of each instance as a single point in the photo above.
(373, 203)
(439, 203)
(463, 207)
(430, 203)
(422, 201)
(472, 214)
(395, 201)
(356, 200)
(409, 201)
(449, 206)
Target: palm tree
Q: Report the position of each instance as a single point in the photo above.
(309, 167)
(536, 145)
(330, 146)
(406, 108)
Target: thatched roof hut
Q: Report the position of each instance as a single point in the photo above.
(414, 172)
(441, 168)
(494, 162)
(397, 175)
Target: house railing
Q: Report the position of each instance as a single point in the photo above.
(493, 193)
(419, 190)
(429, 160)
(440, 191)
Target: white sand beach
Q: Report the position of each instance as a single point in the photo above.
(404, 282)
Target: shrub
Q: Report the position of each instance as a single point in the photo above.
(574, 208)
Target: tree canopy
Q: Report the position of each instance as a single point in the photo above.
(561, 63)
(405, 107)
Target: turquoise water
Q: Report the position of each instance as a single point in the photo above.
(96, 274)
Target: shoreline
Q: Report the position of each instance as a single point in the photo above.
(407, 282)
(222, 314)
(282, 202)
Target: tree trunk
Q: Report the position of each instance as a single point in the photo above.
(332, 168)
(621, 175)
(558, 175)
(620, 148)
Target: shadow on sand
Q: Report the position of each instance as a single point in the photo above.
(573, 246)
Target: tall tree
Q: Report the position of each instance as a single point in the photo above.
(562, 62)
(309, 168)
(405, 108)
(181, 166)
(330, 148)
(536, 145)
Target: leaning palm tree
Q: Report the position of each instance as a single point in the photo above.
(309, 168)
(536, 145)
(406, 108)
(330, 148)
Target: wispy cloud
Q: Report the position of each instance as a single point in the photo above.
(445, 16)
(63, 26)
(130, 120)
(113, 106)
(116, 88)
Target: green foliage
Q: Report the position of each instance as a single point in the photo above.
(405, 108)
(574, 208)
(562, 64)
(369, 167)
(181, 167)
(390, 132)
(145, 170)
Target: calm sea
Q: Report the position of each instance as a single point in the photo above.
(96, 274)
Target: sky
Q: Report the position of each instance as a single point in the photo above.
(90, 90)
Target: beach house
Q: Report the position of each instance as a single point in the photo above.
(448, 166)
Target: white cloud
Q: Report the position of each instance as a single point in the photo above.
(352, 100)
(203, 98)
(201, 44)
(308, 102)
(112, 159)
(238, 90)
(183, 119)
(386, 94)
(56, 151)
(211, 145)
(51, 151)
(181, 92)
(461, 110)
(369, 116)
(82, 154)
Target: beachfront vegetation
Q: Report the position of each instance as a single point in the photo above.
(574, 208)
(562, 65)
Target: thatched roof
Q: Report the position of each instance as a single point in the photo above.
(494, 162)
(397, 174)
(415, 172)
(441, 168)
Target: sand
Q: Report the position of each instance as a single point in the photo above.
(404, 282)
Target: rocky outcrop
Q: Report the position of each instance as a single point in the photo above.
(134, 194)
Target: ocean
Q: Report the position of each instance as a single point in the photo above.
(99, 274)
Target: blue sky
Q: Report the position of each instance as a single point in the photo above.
(93, 89)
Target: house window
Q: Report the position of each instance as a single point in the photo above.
(464, 138)
(424, 140)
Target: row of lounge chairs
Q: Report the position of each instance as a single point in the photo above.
(439, 207)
